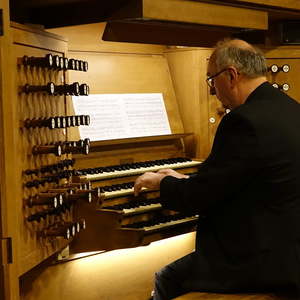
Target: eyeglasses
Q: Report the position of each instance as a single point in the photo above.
(210, 79)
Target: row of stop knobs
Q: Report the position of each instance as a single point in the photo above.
(74, 89)
(58, 122)
(59, 148)
(55, 62)
(275, 68)
(58, 196)
(64, 230)
(284, 87)
(53, 168)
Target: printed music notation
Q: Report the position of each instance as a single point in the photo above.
(115, 116)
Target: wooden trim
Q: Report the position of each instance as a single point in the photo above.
(204, 13)
(8, 198)
(90, 41)
(287, 4)
(44, 42)
(37, 30)
(138, 142)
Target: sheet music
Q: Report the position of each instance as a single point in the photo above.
(115, 116)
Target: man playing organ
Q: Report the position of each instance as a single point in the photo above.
(246, 193)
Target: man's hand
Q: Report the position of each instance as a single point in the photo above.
(152, 180)
(170, 172)
(149, 180)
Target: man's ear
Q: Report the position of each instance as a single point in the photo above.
(233, 74)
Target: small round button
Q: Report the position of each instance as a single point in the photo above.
(285, 87)
(274, 68)
(285, 68)
(212, 120)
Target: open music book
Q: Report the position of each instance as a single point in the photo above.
(115, 116)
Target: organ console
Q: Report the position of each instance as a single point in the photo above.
(129, 221)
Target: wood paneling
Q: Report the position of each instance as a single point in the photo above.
(8, 214)
(31, 249)
(291, 78)
(204, 13)
(289, 4)
(91, 40)
(188, 71)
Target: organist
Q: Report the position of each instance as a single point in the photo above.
(247, 192)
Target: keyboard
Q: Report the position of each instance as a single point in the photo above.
(134, 207)
(163, 223)
(118, 190)
(101, 173)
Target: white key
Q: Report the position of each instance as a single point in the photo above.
(119, 193)
(142, 208)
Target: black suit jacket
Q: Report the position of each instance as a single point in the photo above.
(247, 193)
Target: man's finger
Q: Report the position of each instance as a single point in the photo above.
(137, 186)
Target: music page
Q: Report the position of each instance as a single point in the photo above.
(116, 116)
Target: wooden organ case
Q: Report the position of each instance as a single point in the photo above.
(51, 191)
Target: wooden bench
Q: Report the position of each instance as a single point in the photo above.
(213, 296)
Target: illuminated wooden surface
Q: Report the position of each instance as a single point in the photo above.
(213, 296)
(125, 274)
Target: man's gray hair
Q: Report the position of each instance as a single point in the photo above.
(248, 60)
